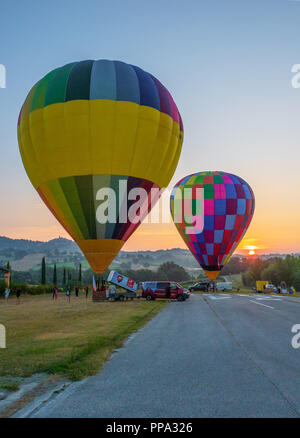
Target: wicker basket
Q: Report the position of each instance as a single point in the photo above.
(99, 296)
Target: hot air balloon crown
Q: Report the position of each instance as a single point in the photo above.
(89, 125)
(226, 209)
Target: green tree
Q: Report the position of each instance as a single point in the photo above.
(43, 273)
(248, 279)
(296, 280)
(141, 274)
(64, 277)
(236, 265)
(54, 275)
(257, 266)
(172, 272)
(286, 269)
(272, 274)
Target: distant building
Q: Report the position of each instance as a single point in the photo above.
(5, 274)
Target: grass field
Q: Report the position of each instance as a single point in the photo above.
(71, 340)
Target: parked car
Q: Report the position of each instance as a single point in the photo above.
(202, 286)
(164, 289)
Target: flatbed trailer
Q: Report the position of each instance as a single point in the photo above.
(122, 296)
(129, 287)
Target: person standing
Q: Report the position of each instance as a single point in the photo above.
(168, 291)
(55, 293)
(107, 292)
(18, 294)
(68, 294)
(86, 292)
(112, 289)
(6, 294)
(76, 291)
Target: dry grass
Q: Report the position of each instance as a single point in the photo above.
(73, 339)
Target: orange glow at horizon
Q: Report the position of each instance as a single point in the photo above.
(266, 234)
(153, 237)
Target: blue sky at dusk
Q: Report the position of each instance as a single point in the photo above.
(228, 67)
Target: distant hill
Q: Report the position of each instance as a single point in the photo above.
(34, 245)
(25, 255)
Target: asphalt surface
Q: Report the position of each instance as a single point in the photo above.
(212, 356)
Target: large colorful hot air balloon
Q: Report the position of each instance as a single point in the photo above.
(98, 124)
(212, 211)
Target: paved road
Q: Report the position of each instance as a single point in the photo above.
(213, 356)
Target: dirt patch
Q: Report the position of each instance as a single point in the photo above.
(50, 383)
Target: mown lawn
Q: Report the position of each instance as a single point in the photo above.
(72, 340)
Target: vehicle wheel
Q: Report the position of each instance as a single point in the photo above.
(148, 297)
(180, 298)
(121, 298)
(192, 289)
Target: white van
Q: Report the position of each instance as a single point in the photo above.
(224, 285)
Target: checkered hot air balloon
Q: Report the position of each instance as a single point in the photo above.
(90, 125)
(212, 211)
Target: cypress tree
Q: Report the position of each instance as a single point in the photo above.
(43, 274)
(64, 277)
(54, 275)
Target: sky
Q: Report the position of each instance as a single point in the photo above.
(227, 64)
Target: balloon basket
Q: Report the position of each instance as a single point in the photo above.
(99, 296)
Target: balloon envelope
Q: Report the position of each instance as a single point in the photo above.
(212, 211)
(88, 125)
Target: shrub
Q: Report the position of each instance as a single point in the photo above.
(25, 288)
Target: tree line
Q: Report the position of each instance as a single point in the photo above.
(275, 270)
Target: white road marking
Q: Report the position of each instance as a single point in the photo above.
(268, 299)
(261, 304)
(212, 297)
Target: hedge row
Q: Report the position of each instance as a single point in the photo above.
(26, 289)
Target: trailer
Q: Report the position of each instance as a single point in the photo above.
(129, 286)
(224, 286)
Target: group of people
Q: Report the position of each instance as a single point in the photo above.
(69, 291)
(109, 288)
(281, 289)
(54, 293)
(7, 293)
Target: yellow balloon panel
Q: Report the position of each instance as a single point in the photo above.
(73, 138)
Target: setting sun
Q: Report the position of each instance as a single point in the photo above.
(251, 252)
